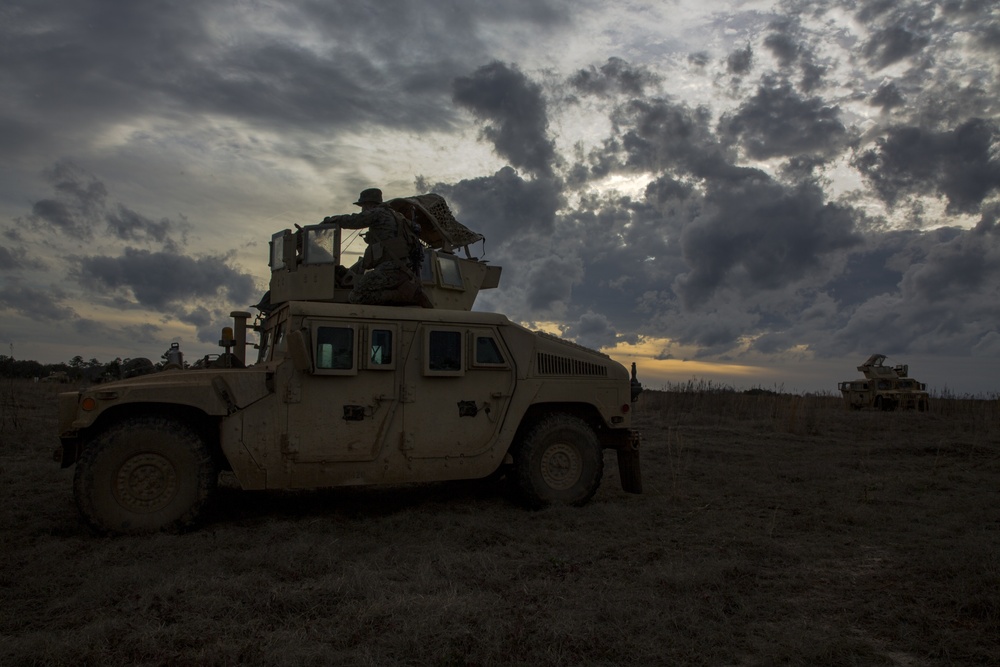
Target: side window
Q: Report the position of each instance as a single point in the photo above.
(380, 354)
(264, 347)
(451, 275)
(279, 338)
(335, 348)
(488, 352)
(444, 352)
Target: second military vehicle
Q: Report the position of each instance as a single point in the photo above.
(351, 394)
(884, 388)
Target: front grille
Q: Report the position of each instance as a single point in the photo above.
(550, 364)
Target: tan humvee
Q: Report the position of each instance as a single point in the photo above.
(884, 388)
(347, 394)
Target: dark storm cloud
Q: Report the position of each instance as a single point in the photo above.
(81, 66)
(871, 270)
(33, 303)
(740, 62)
(128, 225)
(593, 330)
(988, 34)
(713, 229)
(502, 206)
(778, 122)
(78, 204)
(160, 280)
(892, 44)
(887, 97)
(613, 77)
(756, 234)
(199, 317)
(956, 265)
(786, 44)
(783, 46)
(8, 260)
(551, 282)
(623, 248)
(515, 113)
(714, 252)
(16, 257)
(935, 292)
(960, 164)
(658, 135)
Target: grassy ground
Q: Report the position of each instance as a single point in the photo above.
(773, 530)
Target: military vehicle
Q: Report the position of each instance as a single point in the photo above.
(351, 394)
(884, 388)
(62, 377)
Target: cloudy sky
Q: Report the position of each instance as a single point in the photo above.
(757, 193)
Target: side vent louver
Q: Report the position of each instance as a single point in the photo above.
(550, 364)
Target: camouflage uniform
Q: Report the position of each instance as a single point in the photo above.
(391, 268)
(382, 223)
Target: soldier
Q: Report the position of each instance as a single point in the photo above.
(390, 267)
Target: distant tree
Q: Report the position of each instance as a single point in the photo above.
(20, 368)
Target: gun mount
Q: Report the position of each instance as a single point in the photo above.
(306, 263)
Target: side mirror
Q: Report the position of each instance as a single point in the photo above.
(298, 348)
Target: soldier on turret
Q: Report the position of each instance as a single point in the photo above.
(389, 271)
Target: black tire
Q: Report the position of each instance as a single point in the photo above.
(144, 474)
(560, 462)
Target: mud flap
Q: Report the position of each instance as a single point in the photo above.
(629, 469)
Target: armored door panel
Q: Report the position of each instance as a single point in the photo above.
(345, 409)
(457, 386)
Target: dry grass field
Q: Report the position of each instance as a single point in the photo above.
(774, 530)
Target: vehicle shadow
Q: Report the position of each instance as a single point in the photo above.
(233, 505)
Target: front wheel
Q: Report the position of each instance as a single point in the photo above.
(560, 462)
(144, 474)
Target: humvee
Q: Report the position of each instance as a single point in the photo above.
(350, 394)
(884, 388)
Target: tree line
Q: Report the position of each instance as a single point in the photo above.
(74, 370)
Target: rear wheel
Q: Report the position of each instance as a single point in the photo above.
(144, 474)
(559, 462)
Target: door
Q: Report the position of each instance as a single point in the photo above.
(345, 409)
(457, 384)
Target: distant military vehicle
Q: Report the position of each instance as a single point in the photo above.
(352, 394)
(884, 388)
(62, 377)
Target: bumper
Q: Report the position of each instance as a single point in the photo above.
(626, 443)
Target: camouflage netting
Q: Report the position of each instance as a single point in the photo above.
(444, 230)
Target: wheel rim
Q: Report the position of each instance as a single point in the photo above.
(562, 466)
(146, 483)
